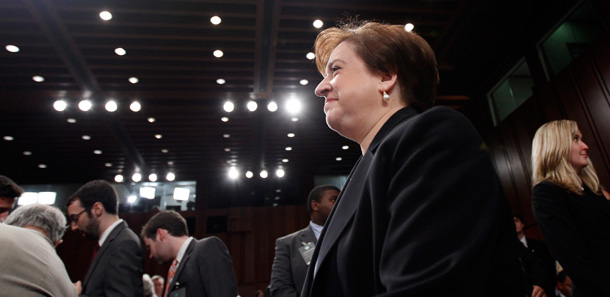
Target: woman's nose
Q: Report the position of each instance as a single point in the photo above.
(323, 88)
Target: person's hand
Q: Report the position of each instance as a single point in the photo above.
(538, 292)
(79, 287)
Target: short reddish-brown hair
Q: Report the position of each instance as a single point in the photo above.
(387, 49)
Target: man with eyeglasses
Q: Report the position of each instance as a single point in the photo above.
(117, 266)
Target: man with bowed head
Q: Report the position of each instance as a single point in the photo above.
(117, 265)
(293, 252)
(422, 212)
(29, 264)
(199, 267)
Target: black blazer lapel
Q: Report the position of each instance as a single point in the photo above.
(182, 264)
(100, 253)
(342, 213)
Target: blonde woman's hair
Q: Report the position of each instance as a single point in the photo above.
(551, 158)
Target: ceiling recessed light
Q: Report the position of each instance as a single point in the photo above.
(224, 119)
(108, 164)
(293, 106)
(227, 149)
(60, 105)
(152, 177)
(158, 136)
(105, 15)
(215, 20)
(264, 174)
(218, 53)
(226, 135)
(9, 138)
(409, 27)
(252, 106)
(310, 56)
(233, 173)
(249, 174)
(97, 152)
(345, 147)
(288, 148)
(228, 106)
(12, 48)
(170, 176)
(304, 82)
(295, 119)
(221, 81)
(86, 137)
(111, 106)
(37, 78)
(272, 106)
(136, 177)
(165, 151)
(284, 160)
(27, 153)
(338, 158)
(85, 105)
(118, 178)
(280, 173)
(290, 135)
(42, 166)
(135, 106)
(318, 24)
(134, 80)
(170, 163)
(151, 120)
(71, 120)
(120, 51)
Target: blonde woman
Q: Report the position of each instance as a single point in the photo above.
(569, 206)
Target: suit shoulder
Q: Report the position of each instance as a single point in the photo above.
(293, 234)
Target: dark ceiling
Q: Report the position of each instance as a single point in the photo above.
(170, 46)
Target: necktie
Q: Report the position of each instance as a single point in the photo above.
(95, 250)
(170, 275)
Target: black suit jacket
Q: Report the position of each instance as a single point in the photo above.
(422, 214)
(206, 270)
(117, 267)
(289, 268)
(577, 229)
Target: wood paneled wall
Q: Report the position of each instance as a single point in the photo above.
(250, 237)
(581, 92)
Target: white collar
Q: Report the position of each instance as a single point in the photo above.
(182, 249)
(107, 232)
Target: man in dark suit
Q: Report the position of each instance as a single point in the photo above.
(117, 267)
(9, 192)
(293, 252)
(538, 263)
(199, 267)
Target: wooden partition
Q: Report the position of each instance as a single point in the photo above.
(581, 92)
(250, 237)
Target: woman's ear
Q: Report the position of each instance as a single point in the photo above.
(387, 82)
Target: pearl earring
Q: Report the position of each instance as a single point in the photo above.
(386, 97)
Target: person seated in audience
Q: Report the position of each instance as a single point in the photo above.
(29, 263)
(538, 263)
(149, 286)
(159, 285)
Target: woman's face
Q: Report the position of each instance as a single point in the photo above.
(578, 153)
(352, 93)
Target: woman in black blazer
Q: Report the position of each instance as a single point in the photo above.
(422, 213)
(569, 206)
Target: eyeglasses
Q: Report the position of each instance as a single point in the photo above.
(74, 217)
